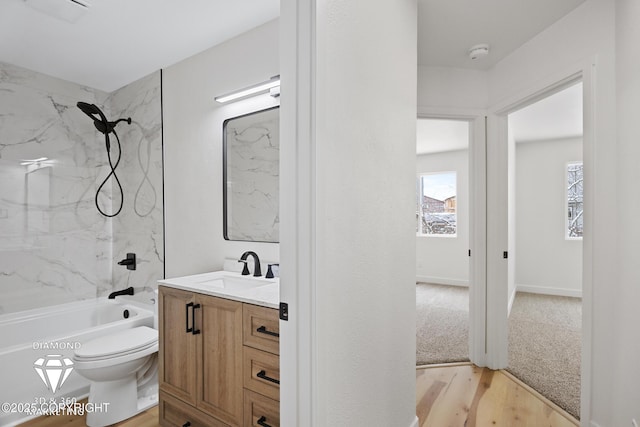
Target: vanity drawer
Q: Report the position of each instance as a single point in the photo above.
(258, 408)
(261, 328)
(262, 372)
(175, 413)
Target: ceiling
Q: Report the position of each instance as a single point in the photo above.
(448, 28)
(115, 42)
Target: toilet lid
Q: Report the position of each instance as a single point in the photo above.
(121, 342)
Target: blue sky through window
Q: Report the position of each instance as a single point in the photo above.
(440, 186)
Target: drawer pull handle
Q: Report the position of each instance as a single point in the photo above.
(187, 424)
(261, 422)
(263, 330)
(263, 375)
(193, 320)
(189, 329)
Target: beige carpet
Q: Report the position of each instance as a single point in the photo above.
(545, 344)
(442, 324)
(544, 338)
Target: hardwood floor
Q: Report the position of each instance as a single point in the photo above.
(455, 395)
(464, 395)
(148, 418)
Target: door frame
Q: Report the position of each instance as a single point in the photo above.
(497, 295)
(477, 223)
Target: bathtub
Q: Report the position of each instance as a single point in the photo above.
(30, 335)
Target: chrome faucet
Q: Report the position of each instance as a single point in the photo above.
(256, 264)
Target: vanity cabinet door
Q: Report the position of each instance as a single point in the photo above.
(177, 351)
(219, 358)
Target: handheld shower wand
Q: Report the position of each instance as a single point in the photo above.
(106, 127)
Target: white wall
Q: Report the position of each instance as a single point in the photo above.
(193, 147)
(584, 34)
(624, 359)
(445, 260)
(547, 262)
(448, 89)
(364, 226)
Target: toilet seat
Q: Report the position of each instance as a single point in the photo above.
(118, 347)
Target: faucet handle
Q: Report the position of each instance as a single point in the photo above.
(269, 274)
(245, 267)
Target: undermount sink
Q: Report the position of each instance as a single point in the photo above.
(233, 282)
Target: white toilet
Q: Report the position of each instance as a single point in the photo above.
(117, 366)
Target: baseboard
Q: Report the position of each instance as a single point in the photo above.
(442, 281)
(562, 292)
(415, 422)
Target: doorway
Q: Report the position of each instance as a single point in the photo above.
(546, 206)
(442, 240)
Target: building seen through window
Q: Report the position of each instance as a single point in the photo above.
(436, 204)
(575, 204)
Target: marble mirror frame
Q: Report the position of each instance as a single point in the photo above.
(250, 183)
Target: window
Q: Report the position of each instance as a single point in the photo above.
(574, 200)
(436, 204)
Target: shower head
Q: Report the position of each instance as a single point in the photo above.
(90, 109)
(99, 119)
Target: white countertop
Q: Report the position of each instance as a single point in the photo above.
(230, 285)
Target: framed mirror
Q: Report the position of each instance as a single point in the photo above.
(251, 176)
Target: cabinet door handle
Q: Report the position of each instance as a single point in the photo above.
(189, 329)
(261, 422)
(193, 320)
(263, 330)
(263, 375)
(187, 424)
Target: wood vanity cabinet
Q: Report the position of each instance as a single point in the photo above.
(218, 359)
(261, 373)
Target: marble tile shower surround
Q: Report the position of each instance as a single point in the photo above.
(54, 246)
(139, 227)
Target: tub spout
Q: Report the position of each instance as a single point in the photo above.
(128, 291)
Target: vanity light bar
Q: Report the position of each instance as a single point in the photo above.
(251, 90)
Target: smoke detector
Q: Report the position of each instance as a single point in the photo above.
(66, 10)
(479, 51)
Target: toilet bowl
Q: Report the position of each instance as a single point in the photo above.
(117, 365)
